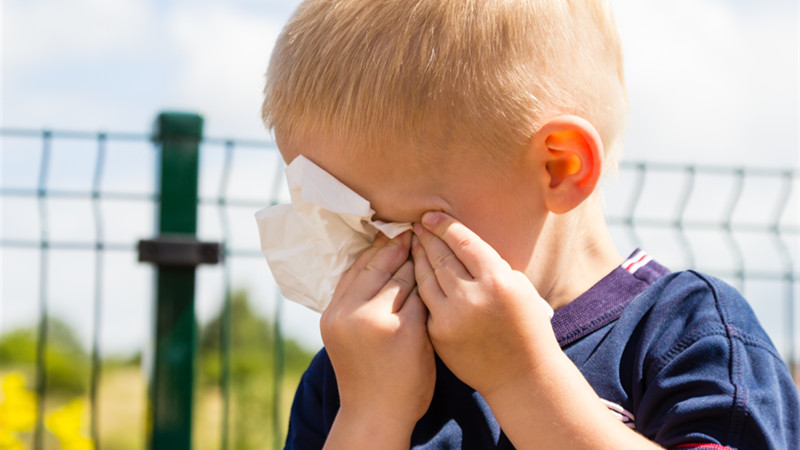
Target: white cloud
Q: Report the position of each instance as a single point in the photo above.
(45, 32)
(224, 54)
(710, 81)
(98, 64)
(70, 64)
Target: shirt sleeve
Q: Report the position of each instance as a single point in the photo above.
(314, 407)
(721, 384)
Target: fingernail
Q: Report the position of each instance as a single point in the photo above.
(417, 229)
(414, 241)
(429, 218)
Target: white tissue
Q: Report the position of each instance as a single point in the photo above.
(312, 242)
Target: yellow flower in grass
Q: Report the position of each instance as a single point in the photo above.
(9, 442)
(17, 411)
(67, 422)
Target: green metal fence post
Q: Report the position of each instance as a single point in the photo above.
(171, 383)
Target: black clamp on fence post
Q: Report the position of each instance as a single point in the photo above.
(176, 254)
(179, 251)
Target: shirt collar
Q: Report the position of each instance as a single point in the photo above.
(604, 302)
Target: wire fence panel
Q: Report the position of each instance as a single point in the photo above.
(738, 223)
(54, 234)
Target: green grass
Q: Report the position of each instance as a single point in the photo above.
(122, 391)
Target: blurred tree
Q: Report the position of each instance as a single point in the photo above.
(66, 361)
(252, 374)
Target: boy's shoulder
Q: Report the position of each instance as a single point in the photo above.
(684, 360)
(642, 311)
(683, 308)
(671, 306)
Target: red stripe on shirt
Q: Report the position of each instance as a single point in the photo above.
(628, 267)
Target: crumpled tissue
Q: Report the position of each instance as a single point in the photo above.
(310, 243)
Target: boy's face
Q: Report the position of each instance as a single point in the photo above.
(507, 210)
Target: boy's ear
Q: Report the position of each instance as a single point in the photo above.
(570, 152)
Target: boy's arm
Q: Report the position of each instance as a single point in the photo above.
(375, 335)
(487, 330)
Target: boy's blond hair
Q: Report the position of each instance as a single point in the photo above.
(450, 74)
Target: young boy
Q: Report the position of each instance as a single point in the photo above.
(487, 124)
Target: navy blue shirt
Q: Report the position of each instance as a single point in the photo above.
(679, 357)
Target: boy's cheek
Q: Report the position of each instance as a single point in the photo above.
(515, 253)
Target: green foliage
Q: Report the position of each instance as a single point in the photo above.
(252, 343)
(252, 369)
(66, 361)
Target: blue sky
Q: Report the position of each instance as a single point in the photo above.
(710, 81)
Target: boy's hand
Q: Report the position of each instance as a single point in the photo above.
(489, 327)
(375, 333)
(485, 320)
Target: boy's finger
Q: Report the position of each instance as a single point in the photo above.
(395, 292)
(427, 284)
(414, 309)
(380, 268)
(350, 274)
(361, 262)
(446, 265)
(473, 252)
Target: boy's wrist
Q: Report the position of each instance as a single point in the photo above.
(554, 391)
(532, 370)
(366, 428)
(537, 375)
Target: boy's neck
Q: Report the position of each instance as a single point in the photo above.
(574, 251)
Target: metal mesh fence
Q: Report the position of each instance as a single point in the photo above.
(737, 223)
(65, 193)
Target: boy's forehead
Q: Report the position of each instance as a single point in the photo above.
(353, 168)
